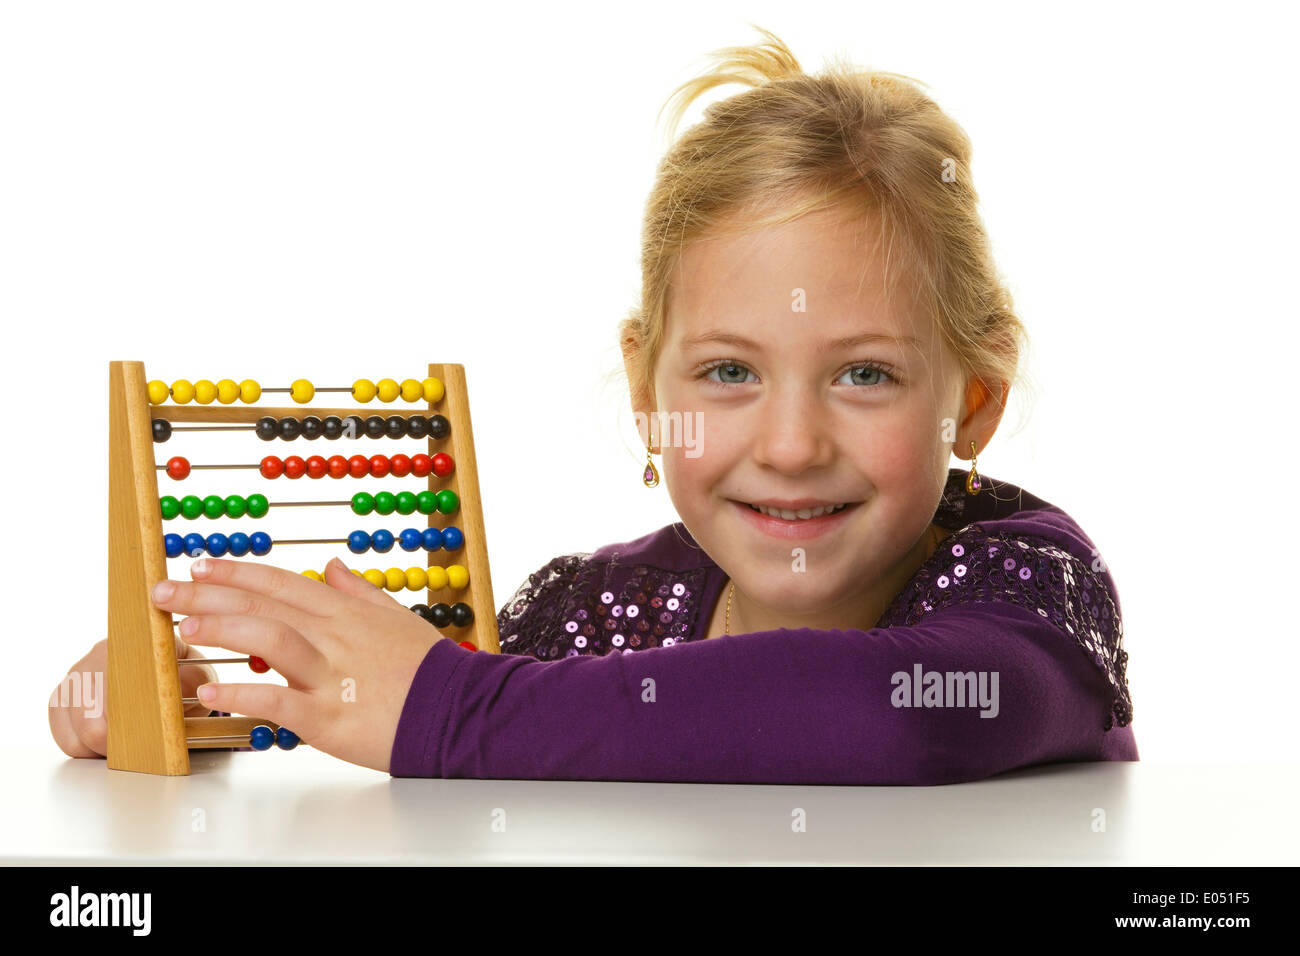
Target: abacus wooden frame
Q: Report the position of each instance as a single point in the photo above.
(148, 731)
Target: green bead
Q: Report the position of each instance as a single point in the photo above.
(170, 507)
(257, 506)
(236, 506)
(448, 501)
(362, 503)
(213, 506)
(405, 503)
(191, 507)
(427, 502)
(385, 503)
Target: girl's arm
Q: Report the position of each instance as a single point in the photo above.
(783, 706)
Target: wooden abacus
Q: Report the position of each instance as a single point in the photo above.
(148, 731)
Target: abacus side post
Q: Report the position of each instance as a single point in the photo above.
(146, 724)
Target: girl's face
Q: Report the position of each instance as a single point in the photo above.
(808, 389)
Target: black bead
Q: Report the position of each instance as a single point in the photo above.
(376, 427)
(162, 429)
(396, 426)
(354, 426)
(440, 615)
(332, 427)
(266, 429)
(462, 615)
(290, 428)
(417, 426)
(311, 428)
(422, 610)
(439, 427)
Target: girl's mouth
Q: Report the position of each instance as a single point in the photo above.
(797, 524)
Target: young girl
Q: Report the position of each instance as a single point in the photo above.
(836, 606)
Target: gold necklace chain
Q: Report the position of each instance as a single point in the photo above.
(730, 595)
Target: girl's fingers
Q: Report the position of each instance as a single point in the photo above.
(190, 598)
(291, 654)
(341, 579)
(292, 709)
(284, 587)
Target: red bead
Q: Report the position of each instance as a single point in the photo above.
(468, 645)
(272, 467)
(316, 467)
(337, 465)
(257, 665)
(379, 465)
(358, 466)
(399, 466)
(421, 465)
(443, 465)
(294, 467)
(178, 468)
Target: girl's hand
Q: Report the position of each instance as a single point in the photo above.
(348, 651)
(79, 712)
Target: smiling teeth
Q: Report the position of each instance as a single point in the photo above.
(801, 514)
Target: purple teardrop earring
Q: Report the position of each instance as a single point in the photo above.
(651, 474)
(973, 479)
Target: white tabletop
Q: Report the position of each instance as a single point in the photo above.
(304, 807)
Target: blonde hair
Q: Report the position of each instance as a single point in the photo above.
(868, 141)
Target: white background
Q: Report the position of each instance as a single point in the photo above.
(275, 190)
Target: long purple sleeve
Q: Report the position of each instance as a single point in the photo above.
(1005, 650)
(785, 706)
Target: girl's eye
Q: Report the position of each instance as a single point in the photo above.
(870, 376)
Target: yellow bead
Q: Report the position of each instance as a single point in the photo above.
(205, 393)
(394, 579)
(182, 392)
(374, 576)
(301, 391)
(437, 578)
(249, 391)
(457, 577)
(412, 391)
(356, 572)
(314, 575)
(433, 390)
(363, 390)
(227, 391)
(158, 392)
(417, 579)
(388, 389)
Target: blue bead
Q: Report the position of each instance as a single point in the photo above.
(432, 539)
(411, 539)
(195, 544)
(239, 544)
(358, 542)
(286, 739)
(174, 544)
(218, 545)
(261, 542)
(382, 541)
(261, 737)
(453, 539)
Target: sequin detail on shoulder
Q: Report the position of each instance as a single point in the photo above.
(578, 606)
(973, 566)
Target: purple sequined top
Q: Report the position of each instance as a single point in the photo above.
(1004, 650)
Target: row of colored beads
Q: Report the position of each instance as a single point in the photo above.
(412, 539)
(459, 614)
(256, 506)
(435, 578)
(358, 466)
(354, 426)
(262, 737)
(217, 545)
(213, 506)
(227, 391)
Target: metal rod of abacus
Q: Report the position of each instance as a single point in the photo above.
(212, 660)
